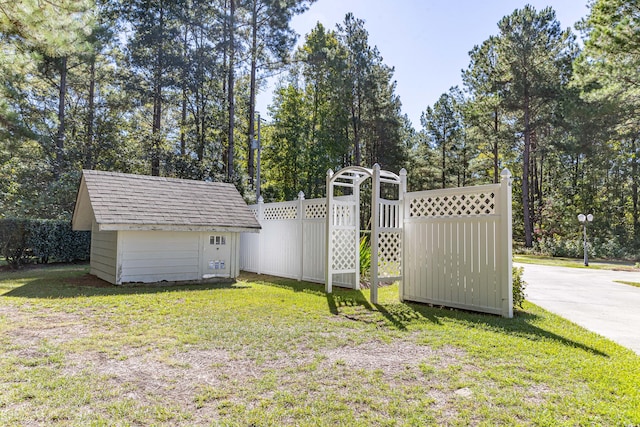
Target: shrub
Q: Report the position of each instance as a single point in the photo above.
(23, 240)
(518, 287)
(558, 246)
(597, 247)
(13, 243)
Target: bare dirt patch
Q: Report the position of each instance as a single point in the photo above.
(391, 358)
(32, 329)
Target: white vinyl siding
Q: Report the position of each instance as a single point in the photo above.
(103, 254)
(153, 256)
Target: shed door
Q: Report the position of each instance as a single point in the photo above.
(217, 255)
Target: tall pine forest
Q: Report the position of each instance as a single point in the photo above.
(169, 87)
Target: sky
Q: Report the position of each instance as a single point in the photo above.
(426, 41)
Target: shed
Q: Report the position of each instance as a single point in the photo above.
(150, 229)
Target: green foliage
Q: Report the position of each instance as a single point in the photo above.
(144, 82)
(559, 246)
(336, 108)
(445, 137)
(365, 256)
(21, 240)
(13, 240)
(519, 286)
(150, 81)
(573, 247)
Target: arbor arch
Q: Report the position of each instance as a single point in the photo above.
(343, 226)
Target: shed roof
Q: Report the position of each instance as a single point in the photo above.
(120, 201)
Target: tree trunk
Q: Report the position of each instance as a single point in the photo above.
(496, 166)
(444, 162)
(635, 153)
(526, 159)
(62, 93)
(157, 100)
(356, 136)
(252, 90)
(534, 181)
(88, 158)
(183, 115)
(225, 65)
(230, 91)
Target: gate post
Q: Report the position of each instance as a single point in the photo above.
(328, 271)
(506, 230)
(261, 221)
(402, 191)
(356, 213)
(301, 230)
(375, 225)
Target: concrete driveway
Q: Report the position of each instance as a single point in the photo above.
(590, 298)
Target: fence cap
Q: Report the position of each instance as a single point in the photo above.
(506, 173)
(301, 195)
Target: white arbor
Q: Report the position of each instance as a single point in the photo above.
(343, 226)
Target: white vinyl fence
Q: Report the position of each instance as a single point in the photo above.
(449, 247)
(292, 242)
(457, 248)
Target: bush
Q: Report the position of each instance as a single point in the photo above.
(24, 240)
(572, 247)
(12, 241)
(558, 246)
(518, 287)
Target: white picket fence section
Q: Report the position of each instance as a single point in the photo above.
(449, 247)
(457, 248)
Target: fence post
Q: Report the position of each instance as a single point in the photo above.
(260, 220)
(356, 219)
(328, 271)
(301, 226)
(402, 191)
(375, 226)
(506, 264)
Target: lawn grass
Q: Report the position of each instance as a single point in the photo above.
(575, 263)
(270, 351)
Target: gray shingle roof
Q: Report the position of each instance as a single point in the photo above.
(126, 201)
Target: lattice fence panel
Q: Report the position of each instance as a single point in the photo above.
(470, 204)
(280, 212)
(344, 255)
(315, 211)
(389, 254)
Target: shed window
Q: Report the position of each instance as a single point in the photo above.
(217, 240)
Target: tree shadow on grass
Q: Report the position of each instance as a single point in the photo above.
(354, 305)
(90, 286)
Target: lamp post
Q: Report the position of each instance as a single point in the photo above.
(585, 219)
